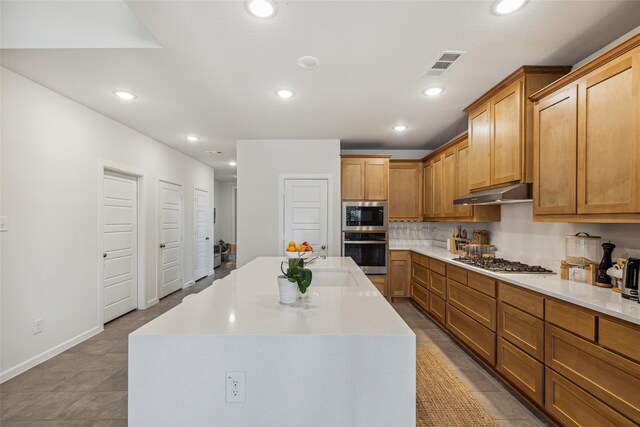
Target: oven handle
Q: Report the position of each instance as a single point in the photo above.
(364, 242)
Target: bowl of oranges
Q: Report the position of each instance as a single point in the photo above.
(294, 250)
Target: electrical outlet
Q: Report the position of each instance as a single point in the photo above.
(4, 223)
(37, 326)
(236, 387)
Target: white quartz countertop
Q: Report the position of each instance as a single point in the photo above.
(247, 303)
(592, 297)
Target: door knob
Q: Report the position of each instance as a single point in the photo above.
(206, 238)
(162, 245)
(323, 247)
(104, 255)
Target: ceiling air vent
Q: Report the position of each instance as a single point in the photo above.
(444, 62)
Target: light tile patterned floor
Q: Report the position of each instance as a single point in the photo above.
(87, 384)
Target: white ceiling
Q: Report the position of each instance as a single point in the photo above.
(219, 67)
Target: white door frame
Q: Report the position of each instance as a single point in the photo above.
(141, 201)
(209, 232)
(330, 201)
(157, 240)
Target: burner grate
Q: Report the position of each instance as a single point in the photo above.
(500, 265)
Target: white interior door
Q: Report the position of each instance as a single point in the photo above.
(203, 247)
(306, 213)
(170, 238)
(120, 239)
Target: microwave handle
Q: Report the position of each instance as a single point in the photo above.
(365, 242)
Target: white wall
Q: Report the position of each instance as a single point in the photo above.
(52, 149)
(260, 163)
(224, 210)
(518, 238)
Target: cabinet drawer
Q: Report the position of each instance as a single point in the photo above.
(415, 258)
(572, 319)
(621, 338)
(611, 378)
(420, 295)
(521, 329)
(424, 261)
(474, 335)
(479, 307)
(574, 407)
(398, 255)
(482, 284)
(456, 273)
(438, 285)
(437, 308)
(525, 372)
(437, 266)
(420, 274)
(528, 302)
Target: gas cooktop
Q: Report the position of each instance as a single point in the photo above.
(499, 265)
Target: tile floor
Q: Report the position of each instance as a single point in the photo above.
(87, 384)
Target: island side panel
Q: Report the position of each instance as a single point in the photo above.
(291, 380)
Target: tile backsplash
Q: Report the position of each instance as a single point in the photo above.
(518, 238)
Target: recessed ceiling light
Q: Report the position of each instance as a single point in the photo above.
(232, 163)
(400, 128)
(308, 62)
(261, 8)
(504, 7)
(213, 152)
(284, 93)
(127, 96)
(192, 138)
(433, 91)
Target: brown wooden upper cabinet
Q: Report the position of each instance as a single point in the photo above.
(365, 177)
(587, 141)
(446, 178)
(405, 190)
(501, 129)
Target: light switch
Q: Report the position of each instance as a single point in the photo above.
(4, 223)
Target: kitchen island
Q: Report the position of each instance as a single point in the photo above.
(343, 358)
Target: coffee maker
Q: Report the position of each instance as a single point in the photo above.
(630, 279)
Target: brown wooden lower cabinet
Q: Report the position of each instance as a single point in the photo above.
(573, 406)
(611, 378)
(522, 370)
(473, 334)
(420, 274)
(399, 273)
(521, 329)
(437, 308)
(420, 295)
(438, 285)
(479, 307)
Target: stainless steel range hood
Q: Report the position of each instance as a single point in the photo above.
(516, 193)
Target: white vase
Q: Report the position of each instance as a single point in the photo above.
(288, 290)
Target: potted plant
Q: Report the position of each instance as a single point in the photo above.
(295, 278)
(224, 250)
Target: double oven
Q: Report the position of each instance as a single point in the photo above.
(364, 235)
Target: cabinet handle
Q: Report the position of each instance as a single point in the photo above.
(162, 245)
(104, 255)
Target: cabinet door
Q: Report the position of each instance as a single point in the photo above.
(427, 190)
(609, 139)
(449, 170)
(506, 135)
(479, 148)
(405, 190)
(437, 184)
(555, 154)
(352, 179)
(376, 184)
(399, 275)
(462, 180)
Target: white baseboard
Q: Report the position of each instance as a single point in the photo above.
(152, 302)
(48, 354)
(211, 273)
(189, 283)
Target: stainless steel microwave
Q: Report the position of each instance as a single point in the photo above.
(364, 216)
